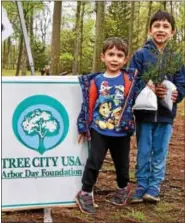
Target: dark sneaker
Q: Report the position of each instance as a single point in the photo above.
(85, 203)
(137, 197)
(152, 195)
(120, 197)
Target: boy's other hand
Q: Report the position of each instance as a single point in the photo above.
(160, 91)
(81, 138)
(174, 96)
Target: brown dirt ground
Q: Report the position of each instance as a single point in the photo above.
(170, 209)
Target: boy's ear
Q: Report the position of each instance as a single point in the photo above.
(127, 59)
(173, 32)
(102, 56)
(149, 31)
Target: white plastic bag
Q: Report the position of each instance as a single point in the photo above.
(146, 100)
(167, 101)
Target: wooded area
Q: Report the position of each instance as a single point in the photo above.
(68, 36)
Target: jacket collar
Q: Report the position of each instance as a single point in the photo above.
(152, 47)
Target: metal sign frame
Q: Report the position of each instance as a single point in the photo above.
(26, 37)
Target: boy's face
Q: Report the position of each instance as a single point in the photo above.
(114, 60)
(161, 31)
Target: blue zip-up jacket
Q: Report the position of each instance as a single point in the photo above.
(146, 55)
(127, 118)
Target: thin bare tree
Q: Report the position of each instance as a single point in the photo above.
(77, 40)
(148, 19)
(131, 24)
(100, 8)
(19, 55)
(55, 44)
(80, 67)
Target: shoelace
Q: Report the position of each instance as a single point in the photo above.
(121, 193)
(87, 199)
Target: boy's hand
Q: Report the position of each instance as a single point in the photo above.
(151, 86)
(81, 138)
(160, 91)
(174, 96)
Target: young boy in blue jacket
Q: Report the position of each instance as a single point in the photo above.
(154, 129)
(107, 119)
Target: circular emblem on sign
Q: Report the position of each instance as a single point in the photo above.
(40, 123)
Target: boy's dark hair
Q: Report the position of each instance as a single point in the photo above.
(119, 43)
(162, 15)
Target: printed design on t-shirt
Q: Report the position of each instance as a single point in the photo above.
(118, 94)
(103, 120)
(115, 117)
(105, 88)
(109, 106)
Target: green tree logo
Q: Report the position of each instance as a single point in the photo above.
(40, 122)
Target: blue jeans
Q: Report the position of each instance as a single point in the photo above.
(152, 142)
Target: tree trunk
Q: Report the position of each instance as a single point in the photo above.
(55, 45)
(41, 147)
(100, 8)
(131, 28)
(31, 27)
(4, 55)
(138, 23)
(148, 20)
(80, 68)
(8, 53)
(20, 55)
(171, 7)
(77, 40)
(164, 5)
(12, 59)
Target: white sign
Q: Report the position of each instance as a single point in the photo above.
(42, 163)
(6, 27)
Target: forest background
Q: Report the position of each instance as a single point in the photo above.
(68, 36)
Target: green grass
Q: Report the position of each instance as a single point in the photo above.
(114, 218)
(132, 175)
(12, 73)
(109, 167)
(76, 212)
(163, 207)
(137, 215)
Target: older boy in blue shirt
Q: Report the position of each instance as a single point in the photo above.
(154, 129)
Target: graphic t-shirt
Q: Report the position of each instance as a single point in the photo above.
(109, 104)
